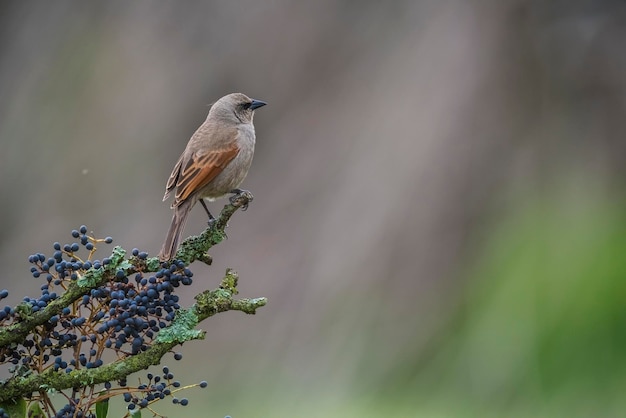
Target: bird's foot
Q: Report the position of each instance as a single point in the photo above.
(241, 198)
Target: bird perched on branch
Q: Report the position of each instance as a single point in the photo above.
(214, 163)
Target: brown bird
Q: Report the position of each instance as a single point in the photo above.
(214, 163)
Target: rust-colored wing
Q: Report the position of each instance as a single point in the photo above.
(198, 170)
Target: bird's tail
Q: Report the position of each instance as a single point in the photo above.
(181, 212)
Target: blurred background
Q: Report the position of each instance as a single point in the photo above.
(439, 219)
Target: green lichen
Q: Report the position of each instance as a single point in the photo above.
(93, 276)
(182, 328)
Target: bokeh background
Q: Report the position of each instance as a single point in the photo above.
(439, 219)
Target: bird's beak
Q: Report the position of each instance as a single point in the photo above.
(256, 104)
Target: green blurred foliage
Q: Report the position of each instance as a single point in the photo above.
(540, 331)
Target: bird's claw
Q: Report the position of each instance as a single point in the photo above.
(239, 194)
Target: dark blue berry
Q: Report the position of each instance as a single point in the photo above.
(78, 321)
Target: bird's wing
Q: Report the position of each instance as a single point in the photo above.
(171, 182)
(203, 166)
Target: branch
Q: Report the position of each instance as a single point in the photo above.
(196, 247)
(117, 268)
(192, 249)
(209, 303)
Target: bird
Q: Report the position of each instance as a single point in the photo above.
(214, 163)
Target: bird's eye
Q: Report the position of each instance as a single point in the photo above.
(246, 106)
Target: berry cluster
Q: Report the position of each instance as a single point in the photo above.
(141, 397)
(157, 388)
(121, 316)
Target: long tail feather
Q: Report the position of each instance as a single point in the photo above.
(181, 212)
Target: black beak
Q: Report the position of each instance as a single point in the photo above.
(256, 104)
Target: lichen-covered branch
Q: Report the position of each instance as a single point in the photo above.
(196, 247)
(104, 308)
(208, 304)
(192, 249)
